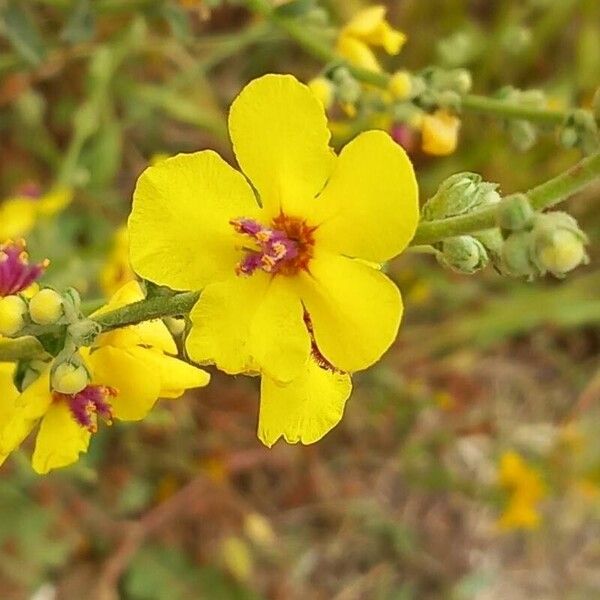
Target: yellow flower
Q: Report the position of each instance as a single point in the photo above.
(19, 213)
(117, 270)
(266, 269)
(129, 368)
(369, 27)
(440, 133)
(525, 488)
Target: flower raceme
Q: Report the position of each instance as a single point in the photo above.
(122, 376)
(308, 251)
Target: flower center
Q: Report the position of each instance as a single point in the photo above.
(86, 405)
(284, 248)
(16, 274)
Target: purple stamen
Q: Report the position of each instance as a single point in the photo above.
(16, 274)
(275, 248)
(85, 406)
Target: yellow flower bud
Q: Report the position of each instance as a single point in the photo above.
(46, 307)
(68, 378)
(563, 254)
(401, 86)
(323, 89)
(440, 133)
(12, 315)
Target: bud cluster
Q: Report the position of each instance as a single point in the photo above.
(458, 195)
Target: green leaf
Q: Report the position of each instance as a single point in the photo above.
(22, 33)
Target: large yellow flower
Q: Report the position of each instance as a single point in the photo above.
(130, 369)
(294, 270)
(367, 28)
(19, 213)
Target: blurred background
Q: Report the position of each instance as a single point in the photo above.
(467, 465)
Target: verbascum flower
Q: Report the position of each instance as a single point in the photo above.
(196, 225)
(294, 275)
(19, 213)
(117, 270)
(367, 28)
(525, 488)
(120, 377)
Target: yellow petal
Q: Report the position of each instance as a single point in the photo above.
(137, 384)
(358, 53)
(30, 406)
(305, 409)
(440, 133)
(279, 339)
(54, 201)
(175, 375)
(221, 322)
(179, 227)
(8, 392)
(17, 217)
(60, 440)
(369, 208)
(371, 26)
(150, 333)
(355, 310)
(280, 137)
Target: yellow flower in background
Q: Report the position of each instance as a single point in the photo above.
(525, 488)
(117, 270)
(265, 269)
(367, 28)
(127, 371)
(19, 213)
(440, 133)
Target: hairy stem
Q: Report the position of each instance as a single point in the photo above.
(541, 197)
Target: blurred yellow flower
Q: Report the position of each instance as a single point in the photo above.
(440, 133)
(117, 270)
(129, 369)
(525, 488)
(19, 213)
(367, 28)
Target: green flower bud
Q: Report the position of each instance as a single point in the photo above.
(523, 134)
(516, 213)
(459, 194)
(348, 89)
(69, 377)
(516, 257)
(464, 254)
(558, 243)
(84, 332)
(568, 137)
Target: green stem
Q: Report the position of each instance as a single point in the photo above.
(25, 347)
(310, 41)
(541, 197)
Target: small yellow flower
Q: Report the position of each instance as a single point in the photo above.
(440, 133)
(367, 28)
(117, 270)
(268, 269)
(129, 370)
(19, 213)
(525, 488)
